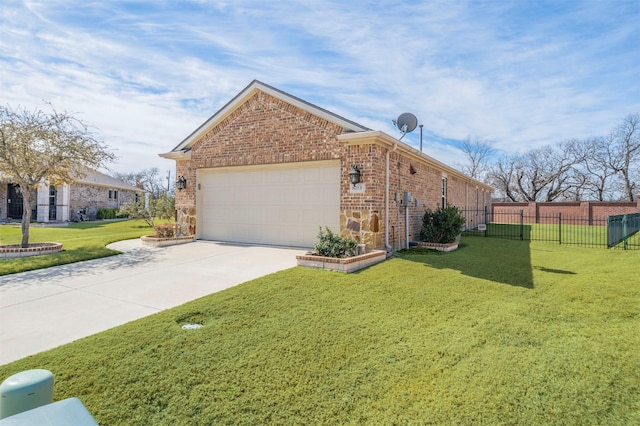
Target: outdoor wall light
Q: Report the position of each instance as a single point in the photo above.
(354, 175)
(181, 183)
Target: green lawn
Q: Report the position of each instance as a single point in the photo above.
(81, 241)
(497, 332)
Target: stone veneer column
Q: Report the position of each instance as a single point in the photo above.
(363, 226)
(62, 202)
(42, 204)
(185, 221)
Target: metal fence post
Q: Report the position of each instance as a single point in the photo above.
(560, 228)
(521, 225)
(486, 220)
(624, 230)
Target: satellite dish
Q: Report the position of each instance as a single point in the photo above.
(406, 123)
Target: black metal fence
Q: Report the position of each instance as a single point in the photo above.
(558, 229)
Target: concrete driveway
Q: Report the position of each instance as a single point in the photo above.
(46, 308)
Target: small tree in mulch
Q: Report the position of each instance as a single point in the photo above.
(162, 207)
(442, 225)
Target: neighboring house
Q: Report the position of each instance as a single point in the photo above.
(270, 168)
(77, 201)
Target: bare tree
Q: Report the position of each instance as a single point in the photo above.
(596, 168)
(40, 147)
(543, 174)
(531, 175)
(566, 180)
(624, 152)
(148, 179)
(502, 177)
(597, 176)
(478, 153)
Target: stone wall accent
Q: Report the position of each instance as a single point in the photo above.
(364, 226)
(185, 221)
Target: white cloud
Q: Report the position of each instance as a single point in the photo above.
(147, 74)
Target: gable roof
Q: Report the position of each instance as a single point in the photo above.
(94, 177)
(181, 150)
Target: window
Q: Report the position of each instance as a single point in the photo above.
(110, 194)
(115, 195)
(52, 202)
(137, 197)
(444, 192)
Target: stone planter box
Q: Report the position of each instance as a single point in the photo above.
(153, 241)
(34, 249)
(437, 246)
(348, 264)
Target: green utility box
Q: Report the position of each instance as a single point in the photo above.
(24, 391)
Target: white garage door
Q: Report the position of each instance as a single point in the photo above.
(281, 205)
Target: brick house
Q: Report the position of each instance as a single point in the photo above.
(270, 168)
(79, 200)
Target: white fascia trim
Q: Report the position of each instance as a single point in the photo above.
(176, 155)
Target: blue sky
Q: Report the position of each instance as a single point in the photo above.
(522, 73)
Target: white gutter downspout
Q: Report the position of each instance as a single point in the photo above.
(386, 201)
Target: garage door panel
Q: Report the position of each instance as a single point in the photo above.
(280, 205)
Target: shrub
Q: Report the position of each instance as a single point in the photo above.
(332, 245)
(442, 225)
(165, 230)
(107, 213)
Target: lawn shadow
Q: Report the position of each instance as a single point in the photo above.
(497, 260)
(91, 267)
(554, 271)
